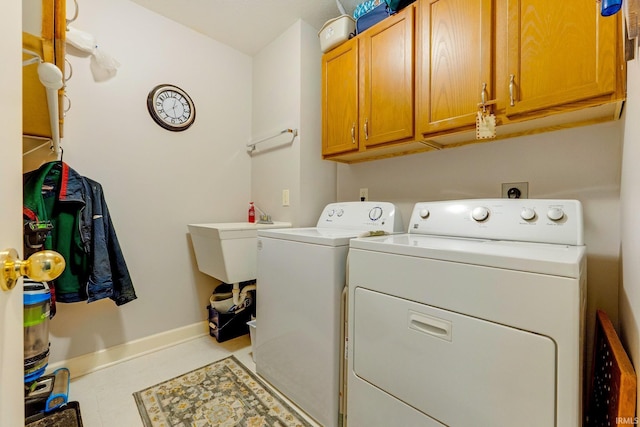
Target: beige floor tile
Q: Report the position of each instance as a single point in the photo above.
(106, 396)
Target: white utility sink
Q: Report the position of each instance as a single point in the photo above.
(228, 250)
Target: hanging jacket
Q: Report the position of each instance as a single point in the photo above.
(83, 234)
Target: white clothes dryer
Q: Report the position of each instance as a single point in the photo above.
(473, 318)
(301, 279)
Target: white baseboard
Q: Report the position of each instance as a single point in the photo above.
(101, 359)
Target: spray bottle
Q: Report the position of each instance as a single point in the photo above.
(252, 213)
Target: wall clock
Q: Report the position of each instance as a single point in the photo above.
(171, 107)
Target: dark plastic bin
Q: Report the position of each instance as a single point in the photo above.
(225, 326)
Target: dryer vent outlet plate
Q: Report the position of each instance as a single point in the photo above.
(515, 190)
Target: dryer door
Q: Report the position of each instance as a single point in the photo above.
(459, 370)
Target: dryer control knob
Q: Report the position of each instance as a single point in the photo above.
(340, 212)
(331, 212)
(480, 213)
(375, 213)
(555, 214)
(527, 214)
(424, 213)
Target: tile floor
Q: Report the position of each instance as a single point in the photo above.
(106, 396)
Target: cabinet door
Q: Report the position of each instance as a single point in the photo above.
(386, 81)
(340, 99)
(558, 52)
(455, 52)
(48, 41)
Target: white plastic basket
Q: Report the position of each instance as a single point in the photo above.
(252, 336)
(336, 31)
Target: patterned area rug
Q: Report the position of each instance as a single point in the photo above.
(222, 394)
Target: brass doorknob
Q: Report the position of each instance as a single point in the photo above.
(41, 266)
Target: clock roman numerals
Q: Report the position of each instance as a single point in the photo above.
(171, 108)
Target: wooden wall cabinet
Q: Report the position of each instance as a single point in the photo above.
(454, 63)
(386, 80)
(340, 99)
(50, 45)
(558, 53)
(544, 65)
(538, 65)
(368, 93)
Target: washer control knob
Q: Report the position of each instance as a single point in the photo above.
(424, 213)
(527, 214)
(375, 213)
(555, 214)
(480, 213)
(331, 212)
(340, 212)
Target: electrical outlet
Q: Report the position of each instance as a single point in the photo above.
(364, 194)
(285, 197)
(515, 190)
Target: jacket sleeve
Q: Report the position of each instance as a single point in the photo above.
(109, 273)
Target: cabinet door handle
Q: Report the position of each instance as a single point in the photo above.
(366, 128)
(512, 89)
(483, 94)
(353, 133)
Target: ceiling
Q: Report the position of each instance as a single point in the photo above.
(247, 25)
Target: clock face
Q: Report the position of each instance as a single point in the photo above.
(171, 107)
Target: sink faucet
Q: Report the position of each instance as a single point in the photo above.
(263, 218)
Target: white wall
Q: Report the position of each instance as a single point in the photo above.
(155, 181)
(286, 94)
(581, 163)
(276, 106)
(317, 176)
(630, 225)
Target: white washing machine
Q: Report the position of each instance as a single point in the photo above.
(473, 318)
(301, 278)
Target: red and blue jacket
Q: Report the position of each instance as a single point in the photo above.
(83, 234)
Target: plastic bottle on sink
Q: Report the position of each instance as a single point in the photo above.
(252, 213)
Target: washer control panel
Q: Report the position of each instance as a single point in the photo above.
(365, 216)
(526, 220)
